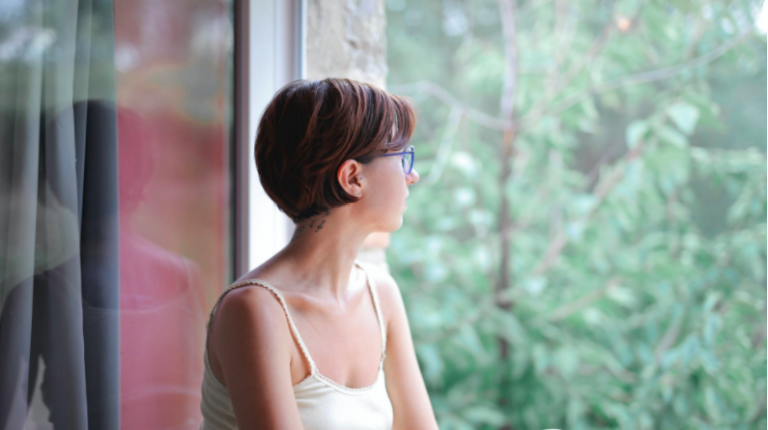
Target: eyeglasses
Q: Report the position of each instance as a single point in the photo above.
(407, 158)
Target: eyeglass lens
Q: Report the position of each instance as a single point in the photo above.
(407, 162)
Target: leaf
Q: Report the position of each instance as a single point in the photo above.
(567, 361)
(684, 115)
(584, 203)
(713, 403)
(711, 326)
(509, 327)
(464, 162)
(520, 362)
(710, 362)
(468, 338)
(623, 296)
(575, 229)
(431, 361)
(485, 415)
(671, 136)
(540, 358)
(636, 131)
(535, 285)
(464, 196)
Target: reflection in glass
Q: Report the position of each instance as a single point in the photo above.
(173, 64)
(114, 209)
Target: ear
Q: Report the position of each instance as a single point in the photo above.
(350, 177)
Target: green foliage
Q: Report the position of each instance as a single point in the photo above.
(637, 213)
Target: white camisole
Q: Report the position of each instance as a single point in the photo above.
(323, 404)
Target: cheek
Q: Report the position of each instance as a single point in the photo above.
(389, 191)
(381, 197)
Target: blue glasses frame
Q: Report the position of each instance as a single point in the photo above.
(407, 160)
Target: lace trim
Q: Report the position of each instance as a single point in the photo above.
(317, 376)
(343, 388)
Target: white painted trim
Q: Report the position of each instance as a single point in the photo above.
(242, 134)
(271, 33)
(303, 39)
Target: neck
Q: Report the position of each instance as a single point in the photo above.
(322, 253)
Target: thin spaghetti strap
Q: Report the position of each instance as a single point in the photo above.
(377, 306)
(276, 293)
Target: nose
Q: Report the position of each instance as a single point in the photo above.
(412, 177)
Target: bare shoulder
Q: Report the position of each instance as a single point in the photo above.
(250, 308)
(249, 320)
(252, 344)
(249, 301)
(389, 291)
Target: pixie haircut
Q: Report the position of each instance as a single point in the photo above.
(311, 127)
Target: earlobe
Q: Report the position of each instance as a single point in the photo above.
(360, 180)
(349, 177)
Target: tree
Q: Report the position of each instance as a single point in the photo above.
(587, 245)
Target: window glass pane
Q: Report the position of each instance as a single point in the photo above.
(115, 126)
(173, 65)
(586, 247)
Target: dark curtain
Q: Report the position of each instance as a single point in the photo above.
(59, 280)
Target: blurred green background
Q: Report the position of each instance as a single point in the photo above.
(586, 248)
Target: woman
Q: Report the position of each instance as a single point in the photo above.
(312, 338)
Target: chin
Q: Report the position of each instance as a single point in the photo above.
(391, 225)
(399, 223)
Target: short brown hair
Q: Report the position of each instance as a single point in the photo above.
(311, 127)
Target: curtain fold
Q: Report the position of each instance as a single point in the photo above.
(59, 279)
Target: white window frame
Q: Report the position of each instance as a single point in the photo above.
(269, 53)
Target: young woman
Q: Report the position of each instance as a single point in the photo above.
(312, 338)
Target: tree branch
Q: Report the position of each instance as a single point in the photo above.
(508, 11)
(481, 118)
(565, 36)
(636, 79)
(559, 242)
(446, 145)
(670, 336)
(482, 312)
(554, 87)
(475, 115)
(529, 217)
(582, 302)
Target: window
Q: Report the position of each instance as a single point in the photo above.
(128, 198)
(174, 80)
(586, 247)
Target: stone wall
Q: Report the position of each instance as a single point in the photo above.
(347, 39)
